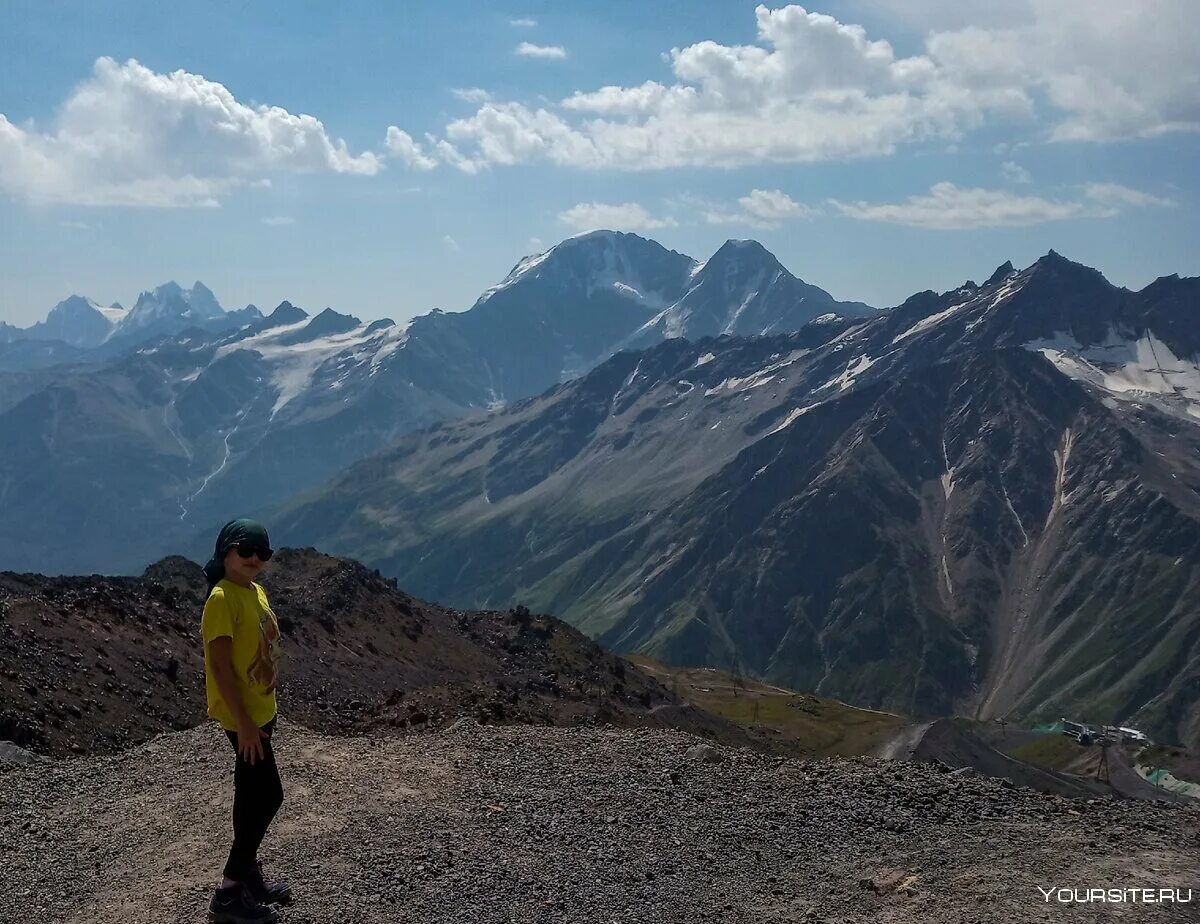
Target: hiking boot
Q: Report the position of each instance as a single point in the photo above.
(235, 905)
(265, 891)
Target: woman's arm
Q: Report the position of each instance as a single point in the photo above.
(220, 653)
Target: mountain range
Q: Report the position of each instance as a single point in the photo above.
(983, 501)
(184, 412)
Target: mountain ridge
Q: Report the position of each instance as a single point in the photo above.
(171, 424)
(598, 501)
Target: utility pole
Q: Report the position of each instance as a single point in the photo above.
(1102, 768)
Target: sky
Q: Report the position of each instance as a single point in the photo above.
(387, 159)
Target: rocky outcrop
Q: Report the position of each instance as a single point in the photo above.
(95, 664)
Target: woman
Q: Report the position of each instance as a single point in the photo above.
(241, 658)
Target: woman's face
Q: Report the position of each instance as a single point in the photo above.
(242, 570)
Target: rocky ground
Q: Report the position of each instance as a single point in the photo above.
(93, 665)
(515, 823)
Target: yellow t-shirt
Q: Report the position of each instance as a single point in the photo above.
(243, 614)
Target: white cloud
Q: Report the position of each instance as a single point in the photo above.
(950, 207)
(523, 23)
(530, 50)
(815, 89)
(1014, 172)
(451, 243)
(1106, 71)
(408, 151)
(628, 216)
(278, 220)
(762, 208)
(771, 205)
(1114, 194)
(130, 136)
(476, 95)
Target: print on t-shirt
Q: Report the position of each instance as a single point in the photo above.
(263, 668)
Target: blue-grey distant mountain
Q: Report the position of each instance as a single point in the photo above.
(170, 309)
(78, 329)
(187, 412)
(76, 322)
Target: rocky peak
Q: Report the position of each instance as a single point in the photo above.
(331, 322)
(73, 306)
(172, 301)
(736, 262)
(325, 324)
(286, 313)
(597, 260)
(1003, 271)
(1066, 272)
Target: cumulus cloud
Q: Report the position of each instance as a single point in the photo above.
(950, 207)
(628, 216)
(530, 50)
(1107, 71)
(812, 88)
(407, 151)
(1014, 172)
(762, 208)
(130, 136)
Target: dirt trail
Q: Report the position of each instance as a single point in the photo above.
(488, 824)
(905, 743)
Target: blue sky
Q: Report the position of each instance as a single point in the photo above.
(386, 159)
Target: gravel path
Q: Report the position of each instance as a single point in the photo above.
(573, 825)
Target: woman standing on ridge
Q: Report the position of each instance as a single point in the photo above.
(241, 659)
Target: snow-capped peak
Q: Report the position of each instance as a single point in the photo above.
(609, 260)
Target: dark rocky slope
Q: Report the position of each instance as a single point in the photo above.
(95, 664)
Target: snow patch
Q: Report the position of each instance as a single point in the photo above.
(932, 321)
(853, 370)
(705, 359)
(756, 379)
(1129, 368)
(293, 366)
(1062, 455)
(523, 268)
(793, 415)
(733, 319)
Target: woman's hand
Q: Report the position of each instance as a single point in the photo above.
(249, 745)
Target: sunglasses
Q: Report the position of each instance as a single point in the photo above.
(245, 551)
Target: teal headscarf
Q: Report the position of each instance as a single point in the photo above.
(233, 534)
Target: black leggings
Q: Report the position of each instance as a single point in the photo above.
(257, 795)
